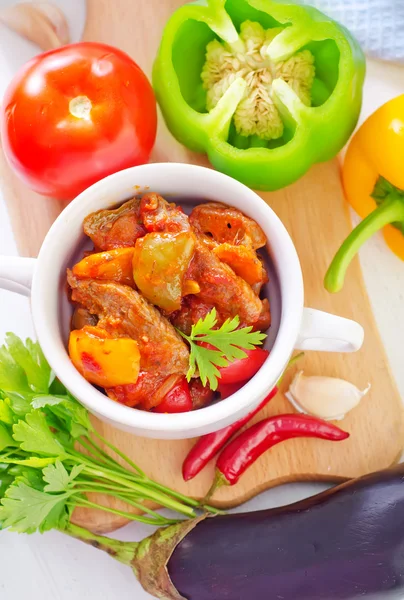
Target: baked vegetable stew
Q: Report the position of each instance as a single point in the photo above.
(167, 305)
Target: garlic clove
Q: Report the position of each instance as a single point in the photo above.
(42, 23)
(328, 398)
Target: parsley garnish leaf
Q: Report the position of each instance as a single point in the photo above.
(228, 343)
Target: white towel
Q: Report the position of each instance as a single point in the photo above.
(377, 24)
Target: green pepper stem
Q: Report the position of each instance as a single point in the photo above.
(389, 211)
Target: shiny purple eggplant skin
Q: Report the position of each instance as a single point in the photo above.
(343, 544)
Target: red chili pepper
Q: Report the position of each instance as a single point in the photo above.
(209, 445)
(252, 443)
(177, 400)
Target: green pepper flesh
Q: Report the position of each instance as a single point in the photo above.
(312, 132)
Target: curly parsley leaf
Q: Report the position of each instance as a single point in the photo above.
(39, 425)
(6, 439)
(6, 479)
(23, 367)
(20, 403)
(35, 436)
(67, 409)
(58, 479)
(6, 414)
(220, 346)
(25, 509)
(206, 361)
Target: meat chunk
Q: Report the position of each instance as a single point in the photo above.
(82, 318)
(201, 395)
(124, 312)
(226, 224)
(192, 309)
(118, 228)
(264, 321)
(159, 215)
(222, 288)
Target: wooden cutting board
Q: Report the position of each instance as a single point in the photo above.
(316, 216)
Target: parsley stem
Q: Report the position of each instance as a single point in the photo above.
(146, 509)
(144, 491)
(119, 453)
(128, 500)
(84, 442)
(10, 452)
(97, 485)
(132, 517)
(184, 335)
(90, 461)
(113, 462)
(89, 445)
(130, 479)
(185, 499)
(174, 494)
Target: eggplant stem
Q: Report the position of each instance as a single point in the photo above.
(388, 212)
(124, 552)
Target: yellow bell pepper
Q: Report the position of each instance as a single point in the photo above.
(111, 265)
(103, 360)
(373, 178)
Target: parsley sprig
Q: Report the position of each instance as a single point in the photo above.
(44, 475)
(228, 341)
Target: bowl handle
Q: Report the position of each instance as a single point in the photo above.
(328, 333)
(16, 274)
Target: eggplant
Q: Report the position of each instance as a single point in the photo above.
(343, 544)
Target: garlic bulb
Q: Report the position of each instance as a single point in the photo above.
(42, 23)
(328, 398)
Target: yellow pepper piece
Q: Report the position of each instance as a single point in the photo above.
(244, 262)
(103, 360)
(377, 149)
(112, 265)
(190, 287)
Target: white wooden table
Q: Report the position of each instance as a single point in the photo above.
(55, 567)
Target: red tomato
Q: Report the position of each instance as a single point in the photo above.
(73, 115)
(228, 389)
(244, 368)
(177, 400)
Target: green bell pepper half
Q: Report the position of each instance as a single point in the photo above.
(311, 133)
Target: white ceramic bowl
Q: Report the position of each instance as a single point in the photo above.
(294, 326)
